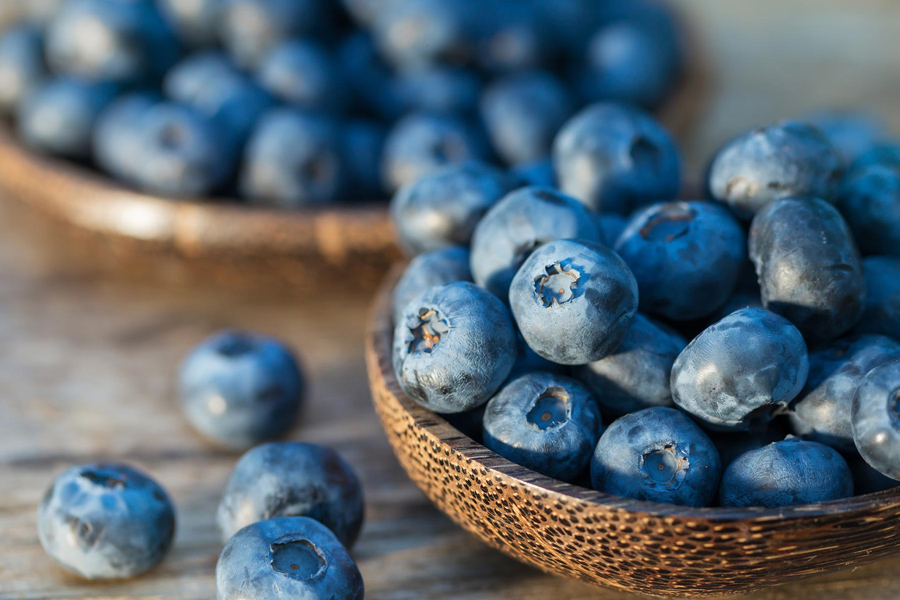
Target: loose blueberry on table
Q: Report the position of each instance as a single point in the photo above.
(239, 389)
(284, 559)
(106, 521)
(292, 479)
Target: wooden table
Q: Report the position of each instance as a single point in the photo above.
(87, 365)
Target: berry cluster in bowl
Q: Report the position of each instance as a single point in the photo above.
(737, 350)
(289, 514)
(295, 103)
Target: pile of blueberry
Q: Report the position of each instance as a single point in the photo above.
(731, 351)
(297, 103)
(290, 512)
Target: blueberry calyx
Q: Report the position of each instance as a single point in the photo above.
(297, 558)
(550, 409)
(98, 477)
(427, 331)
(665, 465)
(235, 344)
(559, 284)
(669, 224)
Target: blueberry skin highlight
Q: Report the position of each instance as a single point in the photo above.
(106, 521)
(686, 257)
(421, 143)
(22, 65)
(573, 301)
(212, 84)
(58, 116)
(518, 224)
(117, 135)
(141, 45)
(875, 418)
(437, 267)
(523, 113)
(294, 159)
(287, 558)
(454, 347)
(249, 29)
(183, 154)
(442, 208)
(657, 454)
(615, 158)
(881, 314)
(792, 472)
(239, 389)
(808, 266)
(821, 412)
(194, 21)
(636, 375)
(414, 33)
(305, 74)
(292, 479)
(770, 163)
(740, 371)
(870, 202)
(545, 422)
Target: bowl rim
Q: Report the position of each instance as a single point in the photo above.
(379, 336)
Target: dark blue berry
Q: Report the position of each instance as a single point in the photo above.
(22, 65)
(882, 308)
(875, 418)
(437, 267)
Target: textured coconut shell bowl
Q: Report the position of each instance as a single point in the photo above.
(609, 541)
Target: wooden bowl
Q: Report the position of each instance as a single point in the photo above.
(604, 540)
(115, 229)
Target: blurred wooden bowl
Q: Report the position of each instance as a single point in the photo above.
(604, 540)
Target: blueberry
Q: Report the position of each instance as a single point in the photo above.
(523, 113)
(441, 208)
(211, 84)
(294, 159)
(529, 361)
(740, 299)
(636, 375)
(285, 559)
(106, 521)
(807, 236)
(783, 160)
(440, 89)
(371, 84)
(787, 473)
(886, 154)
(183, 153)
(732, 444)
(875, 418)
(292, 479)
(454, 347)
(22, 66)
(686, 257)
(633, 58)
(437, 267)
(616, 158)
(882, 308)
(569, 23)
(611, 227)
(363, 143)
(539, 173)
(58, 116)
(111, 40)
(421, 143)
(657, 454)
(870, 202)
(249, 29)
(195, 21)
(305, 74)
(741, 370)
(521, 222)
(852, 134)
(512, 38)
(364, 12)
(821, 412)
(545, 422)
(239, 389)
(411, 33)
(117, 135)
(573, 301)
